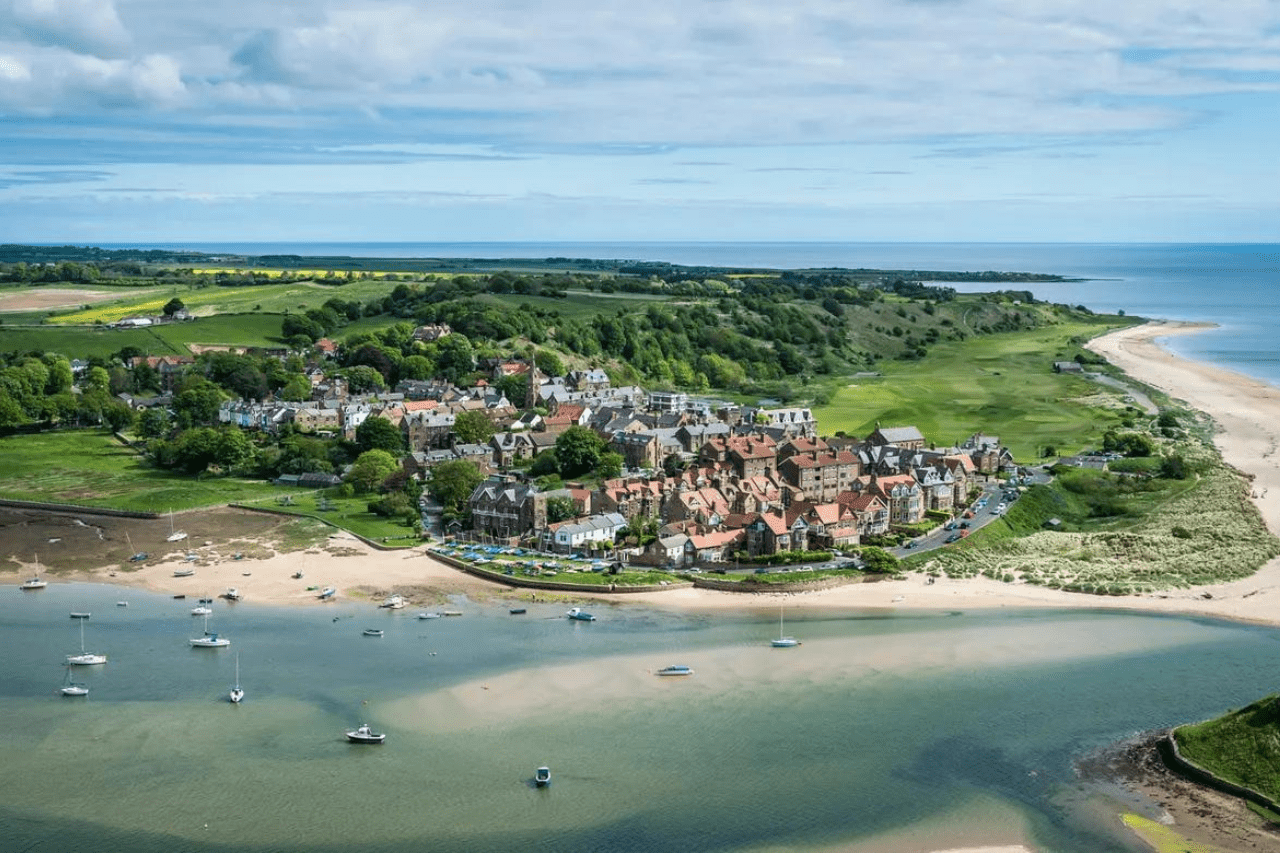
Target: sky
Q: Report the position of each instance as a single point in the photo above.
(138, 121)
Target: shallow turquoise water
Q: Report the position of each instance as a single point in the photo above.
(874, 725)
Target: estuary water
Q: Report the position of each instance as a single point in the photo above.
(1234, 285)
(881, 732)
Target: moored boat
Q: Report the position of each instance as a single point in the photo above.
(517, 610)
(580, 615)
(73, 688)
(373, 632)
(327, 593)
(394, 602)
(542, 777)
(210, 640)
(428, 615)
(183, 573)
(76, 614)
(85, 658)
(676, 669)
(364, 734)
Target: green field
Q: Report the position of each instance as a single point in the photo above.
(1000, 384)
(92, 468)
(347, 513)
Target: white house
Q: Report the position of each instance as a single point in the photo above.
(566, 536)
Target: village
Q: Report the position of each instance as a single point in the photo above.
(709, 481)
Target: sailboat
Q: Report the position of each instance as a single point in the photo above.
(135, 556)
(85, 658)
(237, 692)
(36, 582)
(74, 688)
(210, 640)
(783, 641)
(174, 535)
(203, 608)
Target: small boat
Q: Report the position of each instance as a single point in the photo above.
(428, 615)
(232, 594)
(206, 601)
(328, 593)
(450, 612)
(581, 615)
(517, 610)
(373, 632)
(179, 597)
(364, 734)
(78, 615)
(542, 777)
(783, 641)
(174, 535)
(394, 602)
(202, 610)
(210, 640)
(74, 688)
(122, 604)
(183, 573)
(295, 575)
(35, 581)
(675, 669)
(237, 692)
(85, 658)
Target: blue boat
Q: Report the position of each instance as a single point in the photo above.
(580, 614)
(676, 669)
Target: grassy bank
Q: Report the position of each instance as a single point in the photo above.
(92, 468)
(1241, 746)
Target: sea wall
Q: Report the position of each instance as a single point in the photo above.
(1179, 763)
(73, 508)
(751, 586)
(537, 583)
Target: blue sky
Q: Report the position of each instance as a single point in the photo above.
(846, 120)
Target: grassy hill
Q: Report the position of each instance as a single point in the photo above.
(1241, 746)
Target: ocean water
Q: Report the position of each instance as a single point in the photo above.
(904, 732)
(1236, 286)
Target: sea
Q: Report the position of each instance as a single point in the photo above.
(1236, 286)
(884, 732)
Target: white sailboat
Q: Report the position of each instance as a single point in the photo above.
(73, 688)
(237, 692)
(35, 582)
(210, 640)
(202, 609)
(783, 641)
(85, 658)
(174, 535)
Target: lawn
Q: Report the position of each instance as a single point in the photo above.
(92, 468)
(1242, 747)
(999, 384)
(347, 513)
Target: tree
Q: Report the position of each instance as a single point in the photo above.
(549, 363)
(173, 306)
(561, 509)
(879, 560)
(362, 378)
(610, 465)
(456, 358)
(154, 423)
(370, 469)
(375, 433)
(297, 388)
(578, 451)
(451, 483)
(473, 427)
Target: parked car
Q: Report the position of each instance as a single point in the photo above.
(954, 537)
(964, 525)
(911, 543)
(950, 525)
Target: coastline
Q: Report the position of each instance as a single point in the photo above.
(1246, 411)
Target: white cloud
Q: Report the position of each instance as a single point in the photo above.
(84, 26)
